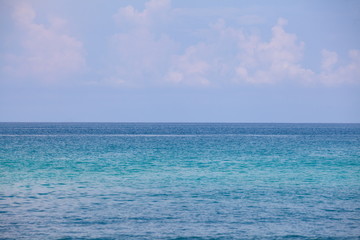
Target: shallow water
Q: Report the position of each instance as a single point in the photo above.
(179, 181)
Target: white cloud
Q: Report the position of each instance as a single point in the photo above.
(230, 54)
(141, 51)
(47, 51)
(148, 50)
(347, 73)
(154, 11)
(190, 68)
(269, 62)
(146, 54)
(141, 56)
(329, 59)
(209, 62)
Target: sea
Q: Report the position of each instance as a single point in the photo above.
(179, 181)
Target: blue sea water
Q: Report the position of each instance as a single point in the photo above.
(179, 181)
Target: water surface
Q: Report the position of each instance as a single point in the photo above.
(179, 181)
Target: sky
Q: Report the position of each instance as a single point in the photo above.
(180, 61)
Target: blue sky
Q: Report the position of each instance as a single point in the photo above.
(192, 61)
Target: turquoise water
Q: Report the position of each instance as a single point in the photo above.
(179, 181)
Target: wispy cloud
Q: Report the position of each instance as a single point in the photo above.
(146, 50)
(47, 52)
(335, 74)
(191, 68)
(229, 54)
(273, 61)
(141, 52)
(224, 54)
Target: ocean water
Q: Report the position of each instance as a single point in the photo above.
(179, 181)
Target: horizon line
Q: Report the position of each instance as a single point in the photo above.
(180, 122)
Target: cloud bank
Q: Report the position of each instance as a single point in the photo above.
(225, 55)
(146, 51)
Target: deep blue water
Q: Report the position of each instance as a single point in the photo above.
(179, 181)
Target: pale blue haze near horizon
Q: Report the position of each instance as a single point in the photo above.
(180, 61)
